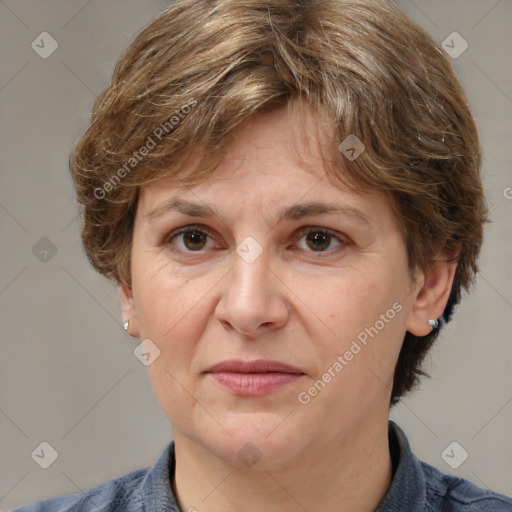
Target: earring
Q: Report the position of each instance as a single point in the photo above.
(433, 323)
(126, 324)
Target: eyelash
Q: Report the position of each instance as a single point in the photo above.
(304, 231)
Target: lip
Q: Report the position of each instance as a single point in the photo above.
(254, 378)
(256, 366)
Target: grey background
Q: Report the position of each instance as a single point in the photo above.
(68, 373)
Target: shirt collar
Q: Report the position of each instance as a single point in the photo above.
(157, 493)
(408, 487)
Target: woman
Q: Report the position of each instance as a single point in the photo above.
(289, 197)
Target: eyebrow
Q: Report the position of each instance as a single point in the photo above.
(294, 212)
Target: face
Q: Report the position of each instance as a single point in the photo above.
(277, 300)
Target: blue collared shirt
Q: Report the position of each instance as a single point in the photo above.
(415, 487)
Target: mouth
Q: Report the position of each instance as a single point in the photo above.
(254, 378)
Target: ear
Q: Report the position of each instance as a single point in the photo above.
(431, 295)
(129, 310)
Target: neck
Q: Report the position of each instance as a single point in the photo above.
(350, 474)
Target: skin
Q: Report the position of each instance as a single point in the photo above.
(294, 304)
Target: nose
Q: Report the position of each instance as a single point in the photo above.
(252, 300)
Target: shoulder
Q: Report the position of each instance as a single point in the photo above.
(454, 494)
(141, 490)
(420, 487)
(120, 494)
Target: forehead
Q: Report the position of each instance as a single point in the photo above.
(283, 142)
(276, 161)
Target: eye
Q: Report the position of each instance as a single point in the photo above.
(189, 239)
(195, 239)
(319, 240)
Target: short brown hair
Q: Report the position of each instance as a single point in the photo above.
(202, 68)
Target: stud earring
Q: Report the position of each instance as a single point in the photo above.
(126, 324)
(433, 323)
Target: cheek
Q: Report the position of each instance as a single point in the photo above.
(355, 302)
(164, 298)
(366, 317)
(172, 313)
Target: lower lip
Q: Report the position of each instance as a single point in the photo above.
(255, 384)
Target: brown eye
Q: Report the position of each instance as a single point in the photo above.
(318, 241)
(194, 240)
(190, 240)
